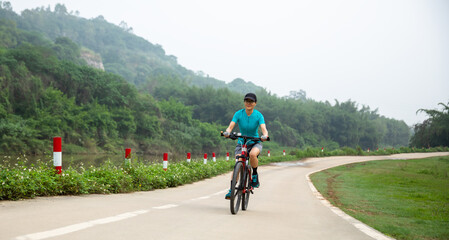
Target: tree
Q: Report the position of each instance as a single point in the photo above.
(298, 95)
(60, 9)
(433, 131)
(67, 50)
(6, 5)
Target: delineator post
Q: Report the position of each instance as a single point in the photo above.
(57, 154)
(127, 156)
(165, 162)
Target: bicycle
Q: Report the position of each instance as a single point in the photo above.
(242, 175)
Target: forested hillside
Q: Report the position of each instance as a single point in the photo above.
(144, 99)
(122, 52)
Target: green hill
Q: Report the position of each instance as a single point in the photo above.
(51, 83)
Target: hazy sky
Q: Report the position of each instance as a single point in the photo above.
(388, 54)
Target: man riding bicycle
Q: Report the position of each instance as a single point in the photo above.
(249, 121)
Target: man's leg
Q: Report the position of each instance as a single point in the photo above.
(253, 157)
(254, 164)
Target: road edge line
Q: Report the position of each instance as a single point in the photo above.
(356, 223)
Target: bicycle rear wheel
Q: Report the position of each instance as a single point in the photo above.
(236, 187)
(247, 186)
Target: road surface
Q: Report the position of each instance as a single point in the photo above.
(284, 207)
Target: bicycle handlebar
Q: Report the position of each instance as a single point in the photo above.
(235, 136)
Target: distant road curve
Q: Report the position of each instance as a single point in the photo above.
(286, 206)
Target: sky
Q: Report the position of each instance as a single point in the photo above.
(390, 55)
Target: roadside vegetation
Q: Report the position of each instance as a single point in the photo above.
(23, 180)
(20, 180)
(405, 199)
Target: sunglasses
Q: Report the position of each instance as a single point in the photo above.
(249, 101)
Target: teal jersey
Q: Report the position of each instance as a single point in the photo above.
(248, 124)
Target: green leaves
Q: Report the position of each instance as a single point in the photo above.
(433, 131)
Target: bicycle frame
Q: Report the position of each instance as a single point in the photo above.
(246, 165)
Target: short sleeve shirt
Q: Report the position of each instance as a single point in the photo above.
(248, 124)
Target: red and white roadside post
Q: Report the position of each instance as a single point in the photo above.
(322, 149)
(284, 152)
(165, 162)
(269, 155)
(213, 157)
(205, 158)
(188, 157)
(57, 154)
(127, 156)
(227, 156)
(368, 149)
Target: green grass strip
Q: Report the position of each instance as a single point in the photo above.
(405, 199)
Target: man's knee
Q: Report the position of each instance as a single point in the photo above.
(254, 154)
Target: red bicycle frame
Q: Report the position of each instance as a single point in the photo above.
(244, 156)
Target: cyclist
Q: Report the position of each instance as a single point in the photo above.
(249, 121)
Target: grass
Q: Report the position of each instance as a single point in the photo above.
(407, 199)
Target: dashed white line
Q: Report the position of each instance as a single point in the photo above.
(208, 196)
(81, 226)
(220, 192)
(166, 206)
(200, 198)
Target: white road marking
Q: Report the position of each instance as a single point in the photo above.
(207, 196)
(200, 198)
(356, 223)
(220, 192)
(167, 206)
(81, 226)
(289, 164)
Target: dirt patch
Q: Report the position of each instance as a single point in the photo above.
(365, 212)
(331, 192)
(351, 165)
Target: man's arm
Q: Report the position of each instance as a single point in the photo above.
(263, 127)
(231, 126)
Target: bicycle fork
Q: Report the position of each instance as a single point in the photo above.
(250, 188)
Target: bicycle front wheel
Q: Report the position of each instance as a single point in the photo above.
(237, 185)
(247, 186)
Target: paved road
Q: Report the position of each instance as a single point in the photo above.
(284, 207)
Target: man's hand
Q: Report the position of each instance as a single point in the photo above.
(264, 138)
(226, 134)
